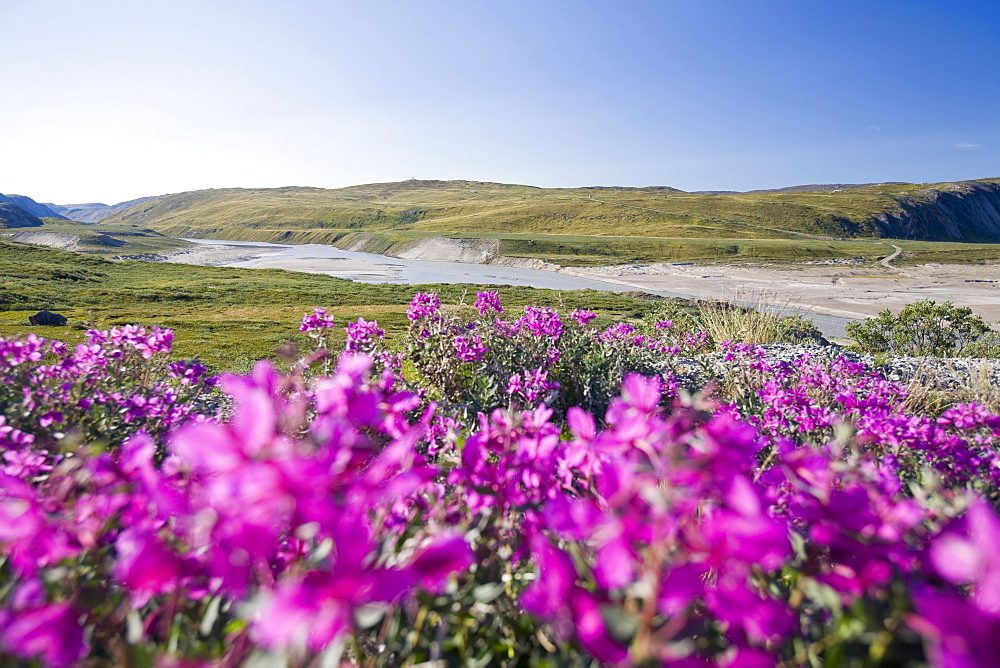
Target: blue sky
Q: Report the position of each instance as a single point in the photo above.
(109, 100)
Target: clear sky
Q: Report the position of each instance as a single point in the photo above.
(108, 100)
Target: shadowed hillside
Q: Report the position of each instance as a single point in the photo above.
(30, 206)
(12, 216)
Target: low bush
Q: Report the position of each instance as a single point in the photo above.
(922, 328)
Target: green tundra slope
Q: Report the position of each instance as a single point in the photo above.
(583, 225)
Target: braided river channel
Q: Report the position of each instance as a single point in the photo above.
(374, 268)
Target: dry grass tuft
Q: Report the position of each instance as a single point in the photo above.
(927, 397)
(757, 318)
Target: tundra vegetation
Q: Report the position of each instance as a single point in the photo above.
(925, 328)
(497, 484)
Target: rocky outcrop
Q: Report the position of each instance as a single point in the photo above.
(47, 319)
(968, 211)
(524, 263)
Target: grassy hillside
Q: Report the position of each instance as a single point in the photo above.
(581, 226)
(462, 207)
(228, 317)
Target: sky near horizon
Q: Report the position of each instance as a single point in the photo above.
(108, 100)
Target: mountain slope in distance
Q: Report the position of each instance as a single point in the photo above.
(94, 211)
(13, 216)
(29, 206)
(960, 211)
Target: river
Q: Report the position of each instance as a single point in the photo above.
(374, 268)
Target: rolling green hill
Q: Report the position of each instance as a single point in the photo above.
(583, 225)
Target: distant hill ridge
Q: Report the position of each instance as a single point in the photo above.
(83, 213)
(29, 206)
(391, 212)
(95, 211)
(13, 216)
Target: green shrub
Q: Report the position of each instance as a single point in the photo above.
(921, 328)
(986, 346)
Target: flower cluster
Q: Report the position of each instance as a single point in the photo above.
(490, 505)
(362, 336)
(473, 365)
(118, 382)
(423, 305)
(470, 348)
(316, 321)
(531, 385)
(540, 321)
(583, 316)
(276, 513)
(488, 303)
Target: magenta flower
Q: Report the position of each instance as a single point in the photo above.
(13, 438)
(488, 303)
(447, 554)
(317, 609)
(532, 385)
(969, 554)
(423, 305)
(469, 349)
(34, 629)
(144, 565)
(540, 321)
(618, 332)
(362, 335)
(316, 321)
(956, 632)
(555, 597)
(30, 536)
(582, 316)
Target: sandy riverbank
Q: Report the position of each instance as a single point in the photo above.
(218, 256)
(848, 291)
(262, 257)
(843, 290)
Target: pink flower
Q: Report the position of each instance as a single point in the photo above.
(361, 335)
(488, 302)
(447, 554)
(469, 349)
(144, 565)
(33, 628)
(540, 321)
(582, 316)
(423, 305)
(970, 555)
(316, 321)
